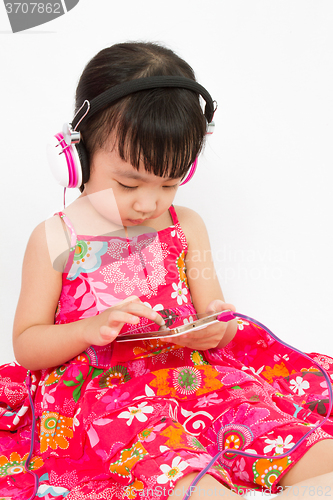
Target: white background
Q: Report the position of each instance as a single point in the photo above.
(264, 182)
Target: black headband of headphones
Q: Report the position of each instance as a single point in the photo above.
(123, 89)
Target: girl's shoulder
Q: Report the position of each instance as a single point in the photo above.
(190, 221)
(50, 241)
(186, 214)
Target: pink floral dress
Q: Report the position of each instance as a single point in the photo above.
(128, 420)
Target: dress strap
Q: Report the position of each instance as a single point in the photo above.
(173, 215)
(70, 227)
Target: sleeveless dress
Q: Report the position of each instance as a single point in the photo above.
(127, 420)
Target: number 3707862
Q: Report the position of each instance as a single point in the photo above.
(301, 491)
(33, 8)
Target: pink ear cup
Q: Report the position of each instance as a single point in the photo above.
(67, 151)
(191, 172)
(64, 162)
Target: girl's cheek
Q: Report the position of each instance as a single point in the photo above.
(106, 204)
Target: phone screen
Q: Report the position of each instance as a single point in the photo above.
(180, 326)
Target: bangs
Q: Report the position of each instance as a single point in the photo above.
(163, 129)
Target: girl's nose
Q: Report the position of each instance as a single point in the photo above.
(145, 204)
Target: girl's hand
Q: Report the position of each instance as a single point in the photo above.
(105, 327)
(216, 335)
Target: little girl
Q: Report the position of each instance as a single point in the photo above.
(141, 418)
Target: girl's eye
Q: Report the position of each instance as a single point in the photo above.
(171, 187)
(127, 187)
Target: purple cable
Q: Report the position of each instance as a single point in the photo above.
(191, 488)
(33, 425)
(222, 317)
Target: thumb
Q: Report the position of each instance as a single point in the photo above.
(218, 305)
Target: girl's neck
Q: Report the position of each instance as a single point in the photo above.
(88, 221)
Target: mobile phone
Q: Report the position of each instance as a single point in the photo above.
(181, 325)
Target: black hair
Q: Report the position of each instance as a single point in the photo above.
(163, 127)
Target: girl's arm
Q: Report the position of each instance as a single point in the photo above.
(204, 286)
(37, 342)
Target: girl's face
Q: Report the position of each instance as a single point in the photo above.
(134, 195)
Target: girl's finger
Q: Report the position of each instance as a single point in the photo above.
(131, 313)
(132, 298)
(141, 310)
(120, 317)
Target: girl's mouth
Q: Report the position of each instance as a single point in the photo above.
(136, 221)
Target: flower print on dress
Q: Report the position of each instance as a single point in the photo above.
(197, 358)
(247, 354)
(76, 421)
(116, 400)
(324, 386)
(54, 431)
(267, 471)
(114, 376)
(15, 464)
(171, 474)
(241, 323)
(236, 439)
(45, 490)
(186, 380)
(237, 428)
(169, 316)
(179, 293)
(232, 377)
(199, 461)
(279, 370)
(149, 434)
(93, 300)
(194, 443)
(240, 471)
(133, 489)
(317, 405)
(316, 435)
(180, 263)
(175, 433)
(54, 376)
(13, 392)
(211, 399)
(137, 269)
(278, 445)
(128, 458)
(47, 397)
(138, 412)
(65, 305)
(138, 368)
(324, 361)
(188, 320)
(298, 385)
(253, 370)
(77, 376)
(155, 349)
(87, 257)
(181, 381)
(157, 307)
(6, 442)
(179, 233)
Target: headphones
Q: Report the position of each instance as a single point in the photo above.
(66, 153)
